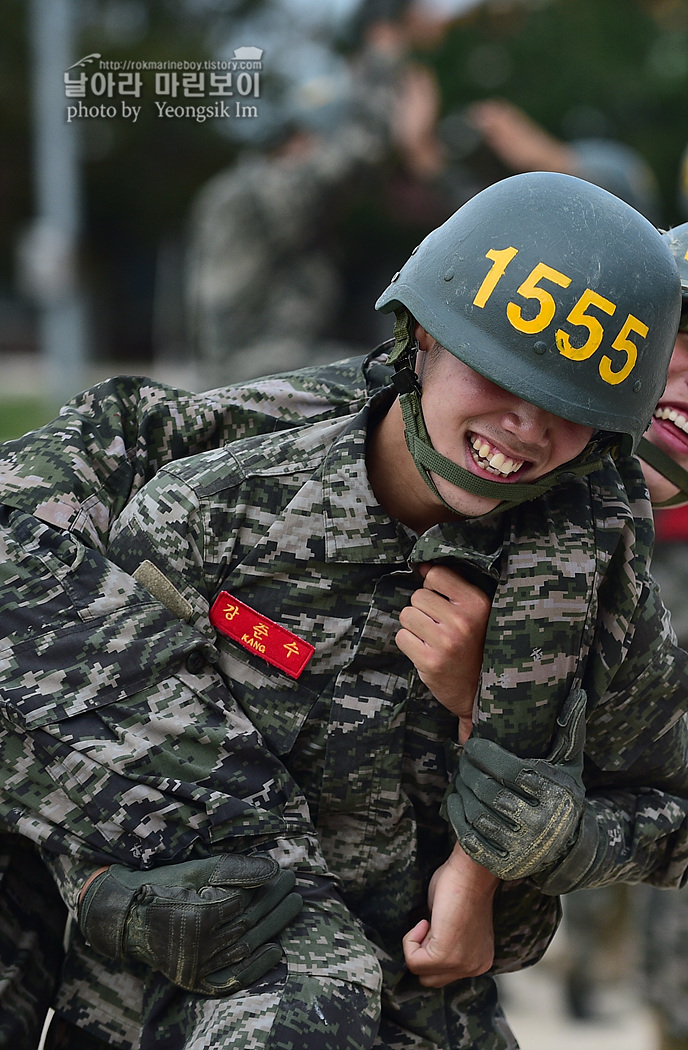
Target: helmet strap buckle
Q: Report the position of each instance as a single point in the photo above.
(406, 381)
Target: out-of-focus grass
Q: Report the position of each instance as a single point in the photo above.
(19, 414)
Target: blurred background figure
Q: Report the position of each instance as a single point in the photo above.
(523, 145)
(271, 282)
(262, 277)
(662, 918)
(412, 191)
(289, 244)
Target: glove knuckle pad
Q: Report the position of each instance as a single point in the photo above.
(248, 872)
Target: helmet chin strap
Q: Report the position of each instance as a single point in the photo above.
(428, 459)
(668, 468)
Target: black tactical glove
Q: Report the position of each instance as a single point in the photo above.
(204, 924)
(519, 816)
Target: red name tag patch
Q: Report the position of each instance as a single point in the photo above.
(256, 633)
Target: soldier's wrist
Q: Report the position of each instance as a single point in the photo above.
(570, 872)
(103, 913)
(92, 877)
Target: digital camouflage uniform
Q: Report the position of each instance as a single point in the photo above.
(102, 494)
(662, 918)
(138, 766)
(77, 474)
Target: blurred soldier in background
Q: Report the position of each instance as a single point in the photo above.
(268, 276)
(262, 280)
(523, 145)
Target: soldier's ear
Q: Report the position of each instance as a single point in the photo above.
(423, 338)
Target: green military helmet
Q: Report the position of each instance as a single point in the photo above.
(555, 290)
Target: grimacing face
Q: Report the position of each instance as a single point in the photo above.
(490, 432)
(669, 427)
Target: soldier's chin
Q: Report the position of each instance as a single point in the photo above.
(464, 503)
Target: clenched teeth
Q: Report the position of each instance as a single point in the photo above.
(494, 462)
(674, 416)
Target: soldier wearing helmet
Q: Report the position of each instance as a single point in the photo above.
(663, 451)
(565, 337)
(664, 448)
(329, 637)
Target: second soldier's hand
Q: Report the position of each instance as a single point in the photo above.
(458, 939)
(443, 634)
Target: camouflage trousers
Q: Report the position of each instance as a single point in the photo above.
(160, 764)
(325, 994)
(290, 1011)
(294, 1007)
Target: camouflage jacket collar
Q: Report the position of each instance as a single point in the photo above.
(356, 528)
(365, 532)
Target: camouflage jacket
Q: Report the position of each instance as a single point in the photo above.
(288, 524)
(573, 604)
